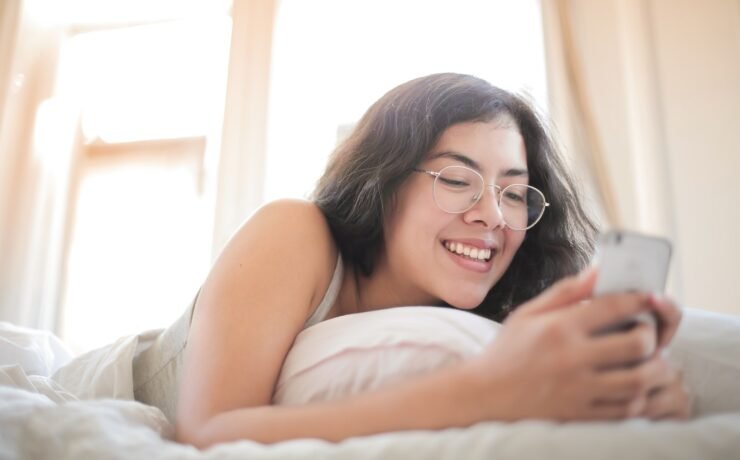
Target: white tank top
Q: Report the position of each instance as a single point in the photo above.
(330, 296)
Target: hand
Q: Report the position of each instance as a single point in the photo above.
(669, 317)
(548, 363)
(672, 401)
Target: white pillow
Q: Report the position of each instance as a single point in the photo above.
(354, 353)
(350, 354)
(38, 352)
(707, 350)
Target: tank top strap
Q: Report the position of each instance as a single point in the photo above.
(329, 297)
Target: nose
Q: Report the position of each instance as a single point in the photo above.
(487, 210)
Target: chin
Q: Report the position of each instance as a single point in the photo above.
(465, 302)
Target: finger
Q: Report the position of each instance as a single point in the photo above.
(629, 383)
(669, 317)
(621, 348)
(672, 401)
(617, 410)
(659, 404)
(567, 291)
(608, 310)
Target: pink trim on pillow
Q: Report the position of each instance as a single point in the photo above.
(356, 349)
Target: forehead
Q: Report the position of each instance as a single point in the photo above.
(493, 145)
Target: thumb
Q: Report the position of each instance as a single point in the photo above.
(565, 292)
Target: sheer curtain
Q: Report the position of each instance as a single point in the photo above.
(239, 188)
(9, 22)
(33, 185)
(604, 90)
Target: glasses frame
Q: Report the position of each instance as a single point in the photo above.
(497, 188)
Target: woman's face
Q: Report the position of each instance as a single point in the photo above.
(420, 236)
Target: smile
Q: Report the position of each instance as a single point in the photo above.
(468, 252)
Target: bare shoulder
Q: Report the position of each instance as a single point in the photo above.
(284, 240)
(254, 302)
(293, 221)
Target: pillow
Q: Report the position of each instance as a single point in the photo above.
(101, 373)
(364, 351)
(38, 352)
(707, 350)
(353, 353)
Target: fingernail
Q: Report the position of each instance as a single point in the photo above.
(586, 272)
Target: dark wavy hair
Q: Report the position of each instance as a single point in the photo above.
(394, 136)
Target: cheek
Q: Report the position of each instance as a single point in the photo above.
(422, 228)
(411, 219)
(417, 214)
(514, 241)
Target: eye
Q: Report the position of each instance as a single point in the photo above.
(453, 182)
(457, 178)
(515, 195)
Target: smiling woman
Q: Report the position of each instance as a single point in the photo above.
(447, 192)
(374, 237)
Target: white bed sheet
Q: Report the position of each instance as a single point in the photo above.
(44, 417)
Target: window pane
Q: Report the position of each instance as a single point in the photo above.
(155, 81)
(140, 245)
(333, 58)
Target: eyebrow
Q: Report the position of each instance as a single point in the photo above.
(469, 162)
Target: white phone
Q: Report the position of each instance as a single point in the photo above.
(630, 261)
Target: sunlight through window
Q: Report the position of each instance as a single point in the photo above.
(150, 98)
(333, 58)
(147, 82)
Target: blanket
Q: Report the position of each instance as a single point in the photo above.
(52, 406)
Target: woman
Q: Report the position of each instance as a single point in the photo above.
(448, 192)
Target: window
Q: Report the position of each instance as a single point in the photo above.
(143, 95)
(150, 103)
(333, 58)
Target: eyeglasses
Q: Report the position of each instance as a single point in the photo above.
(456, 189)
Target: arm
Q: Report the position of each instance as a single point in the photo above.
(545, 363)
(254, 302)
(430, 402)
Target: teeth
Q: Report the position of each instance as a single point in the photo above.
(468, 251)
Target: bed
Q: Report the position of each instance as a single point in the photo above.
(55, 406)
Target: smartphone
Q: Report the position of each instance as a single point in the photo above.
(631, 262)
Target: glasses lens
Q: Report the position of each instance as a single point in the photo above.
(521, 206)
(456, 189)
